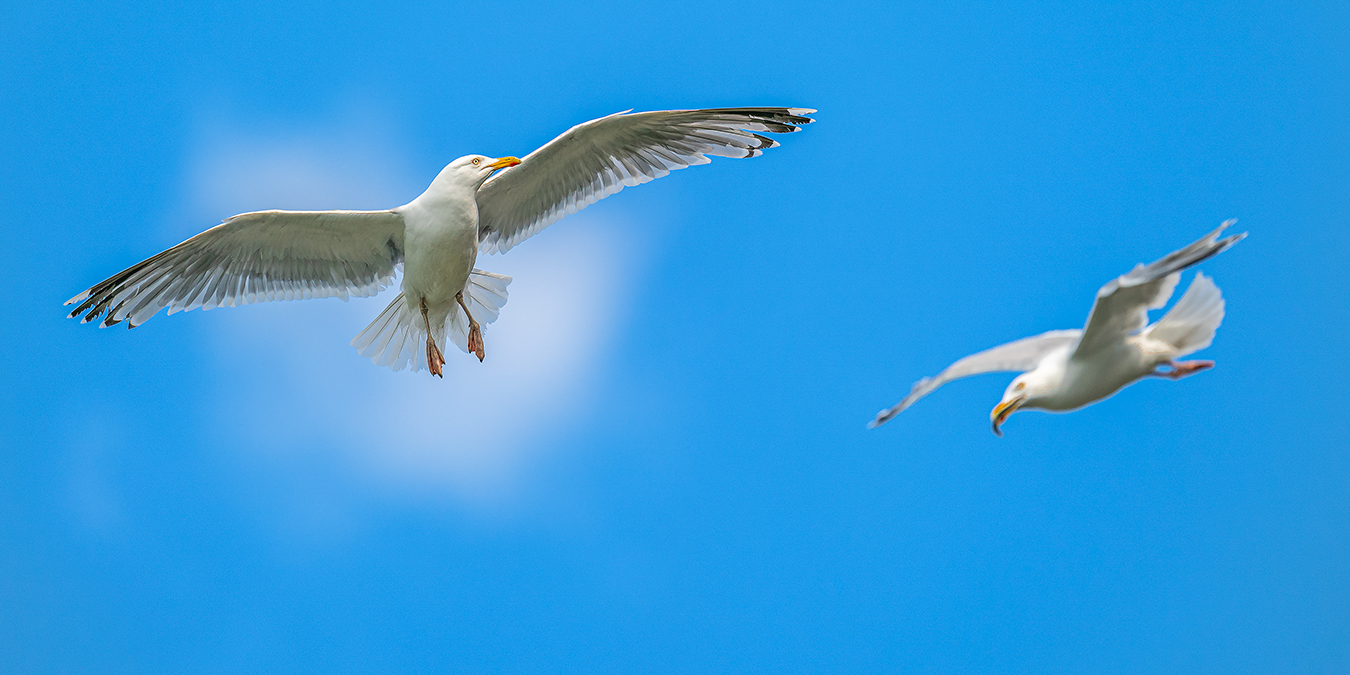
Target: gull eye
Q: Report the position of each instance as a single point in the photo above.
(1020, 386)
(477, 161)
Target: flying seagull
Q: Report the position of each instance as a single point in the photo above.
(475, 204)
(1065, 370)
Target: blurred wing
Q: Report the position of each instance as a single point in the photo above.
(1122, 305)
(598, 158)
(256, 257)
(1018, 356)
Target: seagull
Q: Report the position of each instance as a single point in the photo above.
(1064, 370)
(475, 204)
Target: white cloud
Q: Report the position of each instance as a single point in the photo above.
(288, 371)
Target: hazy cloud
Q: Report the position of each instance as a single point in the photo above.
(288, 371)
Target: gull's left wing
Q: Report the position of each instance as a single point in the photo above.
(598, 158)
(1122, 305)
(1017, 356)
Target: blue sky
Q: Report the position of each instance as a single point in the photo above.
(663, 466)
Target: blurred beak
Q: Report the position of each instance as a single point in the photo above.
(503, 163)
(1002, 410)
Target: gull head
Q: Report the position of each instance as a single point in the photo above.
(471, 171)
(1024, 392)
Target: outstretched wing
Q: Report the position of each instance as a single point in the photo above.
(598, 158)
(1018, 356)
(1122, 305)
(255, 257)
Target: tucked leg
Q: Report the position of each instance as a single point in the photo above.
(475, 333)
(434, 357)
(1180, 369)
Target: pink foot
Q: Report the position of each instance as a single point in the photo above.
(434, 359)
(1181, 369)
(476, 341)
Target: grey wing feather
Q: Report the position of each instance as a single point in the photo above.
(1017, 356)
(1121, 307)
(598, 158)
(255, 257)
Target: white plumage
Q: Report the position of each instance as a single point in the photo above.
(1067, 369)
(475, 204)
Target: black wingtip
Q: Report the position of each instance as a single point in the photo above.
(1223, 244)
(882, 417)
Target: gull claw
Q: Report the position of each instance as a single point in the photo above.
(476, 342)
(1180, 369)
(435, 359)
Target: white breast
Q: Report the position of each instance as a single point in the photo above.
(440, 246)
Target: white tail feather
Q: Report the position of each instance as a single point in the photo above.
(397, 337)
(1191, 323)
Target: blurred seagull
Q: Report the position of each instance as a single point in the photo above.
(1068, 369)
(475, 204)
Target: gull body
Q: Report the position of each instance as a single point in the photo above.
(1065, 370)
(440, 239)
(1062, 383)
(475, 204)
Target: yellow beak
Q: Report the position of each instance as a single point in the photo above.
(1001, 412)
(504, 162)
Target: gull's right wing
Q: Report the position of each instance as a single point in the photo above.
(1017, 356)
(255, 257)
